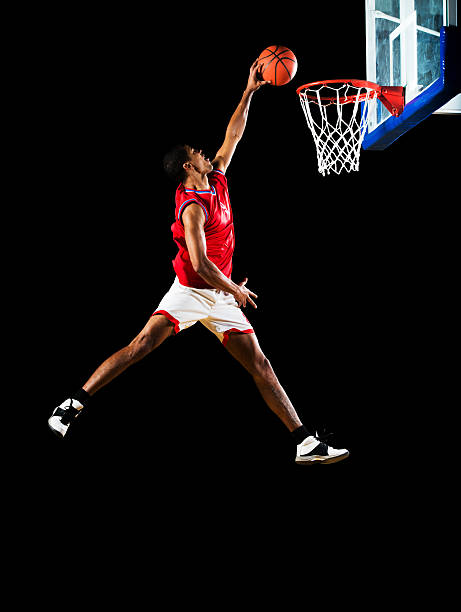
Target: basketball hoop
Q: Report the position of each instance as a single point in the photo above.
(331, 110)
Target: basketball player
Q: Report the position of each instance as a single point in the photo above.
(203, 289)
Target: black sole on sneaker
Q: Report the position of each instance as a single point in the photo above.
(320, 460)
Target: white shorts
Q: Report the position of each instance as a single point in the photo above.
(216, 310)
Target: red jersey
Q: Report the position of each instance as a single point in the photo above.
(219, 229)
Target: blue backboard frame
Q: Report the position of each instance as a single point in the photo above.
(446, 87)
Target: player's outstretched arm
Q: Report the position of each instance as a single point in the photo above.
(238, 120)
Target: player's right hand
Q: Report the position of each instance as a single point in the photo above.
(242, 295)
(255, 80)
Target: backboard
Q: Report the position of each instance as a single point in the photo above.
(414, 44)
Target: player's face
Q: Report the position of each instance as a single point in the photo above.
(199, 161)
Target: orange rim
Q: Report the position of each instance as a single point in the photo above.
(345, 99)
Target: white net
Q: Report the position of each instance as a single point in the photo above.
(337, 115)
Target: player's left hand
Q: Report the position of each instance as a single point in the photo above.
(243, 295)
(254, 80)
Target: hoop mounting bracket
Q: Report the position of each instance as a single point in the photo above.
(393, 98)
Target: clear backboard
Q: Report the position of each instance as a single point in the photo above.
(414, 44)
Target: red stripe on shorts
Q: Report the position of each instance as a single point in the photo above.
(239, 331)
(170, 318)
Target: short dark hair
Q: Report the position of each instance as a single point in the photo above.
(174, 160)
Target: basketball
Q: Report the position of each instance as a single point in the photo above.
(280, 65)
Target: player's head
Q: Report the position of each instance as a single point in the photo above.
(184, 160)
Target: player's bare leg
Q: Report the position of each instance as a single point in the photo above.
(157, 329)
(245, 348)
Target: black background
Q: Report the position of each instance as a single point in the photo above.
(351, 272)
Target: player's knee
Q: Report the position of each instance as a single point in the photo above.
(141, 346)
(149, 339)
(261, 367)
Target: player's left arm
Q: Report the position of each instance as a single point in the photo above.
(238, 120)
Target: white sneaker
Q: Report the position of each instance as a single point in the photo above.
(63, 415)
(312, 451)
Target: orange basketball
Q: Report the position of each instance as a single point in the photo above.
(280, 65)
